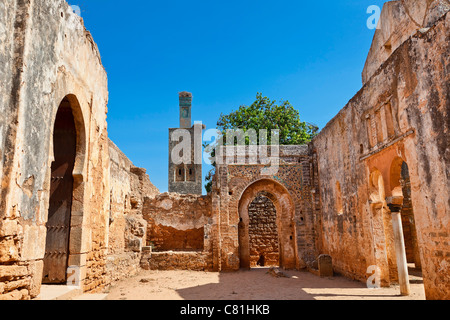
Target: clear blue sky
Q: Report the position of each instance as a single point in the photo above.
(308, 52)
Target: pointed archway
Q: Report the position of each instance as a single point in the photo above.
(66, 192)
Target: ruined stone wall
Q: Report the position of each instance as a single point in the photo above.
(120, 190)
(181, 260)
(178, 232)
(46, 55)
(14, 274)
(263, 233)
(401, 114)
(292, 190)
(176, 222)
(398, 21)
(127, 228)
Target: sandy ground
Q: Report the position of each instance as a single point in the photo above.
(255, 284)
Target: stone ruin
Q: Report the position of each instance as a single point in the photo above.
(372, 189)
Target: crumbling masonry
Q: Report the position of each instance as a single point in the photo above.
(372, 189)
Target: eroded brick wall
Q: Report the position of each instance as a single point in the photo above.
(263, 232)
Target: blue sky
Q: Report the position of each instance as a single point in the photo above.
(308, 52)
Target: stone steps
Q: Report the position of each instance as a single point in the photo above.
(62, 292)
(58, 292)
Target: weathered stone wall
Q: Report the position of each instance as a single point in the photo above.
(8, 64)
(263, 233)
(122, 265)
(398, 21)
(120, 190)
(177, 260)
(179, 232)
(330, 197)
(127, 228)
(400, 115)
(291, 188)
(176, 222)
(47, 55)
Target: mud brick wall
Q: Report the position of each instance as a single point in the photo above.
(128, 187)
(398, 21)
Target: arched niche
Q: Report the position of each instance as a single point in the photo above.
(285, 208)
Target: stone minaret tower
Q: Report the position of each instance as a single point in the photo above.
(185, 109)
(185, 152)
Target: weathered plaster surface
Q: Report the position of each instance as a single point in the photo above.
(412, 86)
(398, 21)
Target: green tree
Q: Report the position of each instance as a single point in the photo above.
(265, 114)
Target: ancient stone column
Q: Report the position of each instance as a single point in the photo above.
(395, 205)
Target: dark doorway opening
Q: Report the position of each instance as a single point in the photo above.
(61, 194)
(408, 221)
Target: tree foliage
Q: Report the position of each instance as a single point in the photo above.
(266, 114)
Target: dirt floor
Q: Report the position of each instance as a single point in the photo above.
(255, 284)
